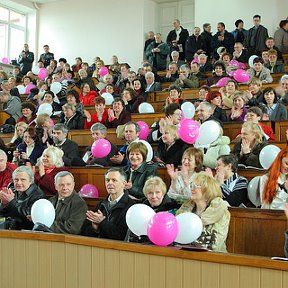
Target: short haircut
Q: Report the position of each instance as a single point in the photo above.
(219, 64)
(3, 153)
(256, 129)
(175, 87)
(171, 129)
(258, 60)
(257, 16)
(255, 81)
(28, 105)
(232, 81)
(222, 24)
(49, 93)
(99, 100)
(174, 53)
(119, 170)
(136, 125)
(171, 108)
(237, 22)
(26, 170)
(138, 146)
(256, 110)
(207, 106)
(284, 77)
(69, 106)
(197, 154)
(272, 52)
(230, 159)
(283, 23)
(40, 119)
(55, 154)
(73, 93)
(98, 127)
(153, 181)
(63, 174)
(118, 99)
(61, 127)
(205, 87)
(149, 74)
(267, 90)
(205, 25)
(62, 60)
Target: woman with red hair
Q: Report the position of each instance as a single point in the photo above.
(215, 99)
(273, 193)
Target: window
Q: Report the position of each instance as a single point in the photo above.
(12, 32)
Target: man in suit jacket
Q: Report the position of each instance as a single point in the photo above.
(151, 85)
(69, 147)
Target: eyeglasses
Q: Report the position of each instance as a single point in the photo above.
(194, 186)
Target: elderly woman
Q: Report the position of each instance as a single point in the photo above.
(238, 110)
(186, 81)
(28, 111)
(228, 92)
(215, 99)
(117, 115)
(284, 89)
(206, 202)
(219, 73)
(273, 186)
(30, 150)
(273, 108)
(138, 170)
(49, 164)
(101, 114)
(17, 199)
(259, 71)
(86, 96)
(252, 141)
(170, 148)
(131, 100)
(174, 96)
(192, 163)
(72, 118)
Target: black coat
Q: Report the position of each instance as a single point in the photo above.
(192, 45)
(74, 122)
(206, 37)
(220, 114)
(139, 178)
(114, 225)
(71, 151)
(20, 207)
(174, 154)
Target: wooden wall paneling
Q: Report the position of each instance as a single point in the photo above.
(157, 272)
(174, 272)
(233, 272)
(33, 278)
(58, 264)
(45, 262)
(99, 266)
(85, 267)
(141, 270)
(126, 269)
(270, 278)
(112, 268)
(72, 270)
(191, 274)
(249, 277)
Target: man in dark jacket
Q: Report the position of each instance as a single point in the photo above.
(257, 35)
(17, 199)
(47, 56)
(206, 36)
(25, 60)
(107, 220)
(176, 39)
(70, 208)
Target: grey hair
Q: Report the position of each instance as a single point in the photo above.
(3, 153)
(137, 127)
(63, 174)
(62, 127)
(149, 73)
(284, 77)
(207, 105)
(25, 169)
(174, 52)
(119, 170)
(98, 126)
(56, 155)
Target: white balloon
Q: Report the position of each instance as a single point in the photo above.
(268, 155)
(209, 131)
(146, 108)
(188, 110)
(45, 108)
(21, 89)
(253, 191)
(35, 70)
(43, 212)
(190, 228)
(108, 98)
(251, 59)
(137, 218)
(56, 87)
(149, 147)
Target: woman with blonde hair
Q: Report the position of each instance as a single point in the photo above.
(49, 164)
(17, 138)
(206, 202)
(273, 186)
(249, 147)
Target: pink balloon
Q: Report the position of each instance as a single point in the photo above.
(28, 88)
(101, 148)
(234, 63)
(5, 60)
(103, 71)
(222, 82)
(89, 190)
(162, 228)
(231, 74)
(241, 76)
(188, 130)
(144, 130)
(42, 73)
(241, 65)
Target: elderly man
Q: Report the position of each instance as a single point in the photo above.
(175, 58)
(7, 85)
(107, 220)
(240, 54)
(172, 72)
(151, 85)
(11, 105)
(283, 89)
(25, 60)
(131, 133)
(177, 37)
(70, 208)
(69, 147)
(47, 56)
(6, 170)
(205, 113)
(18, 198)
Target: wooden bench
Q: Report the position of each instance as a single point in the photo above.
(280, 130)
(149, 118)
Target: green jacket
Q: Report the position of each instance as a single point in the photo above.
(158, 59)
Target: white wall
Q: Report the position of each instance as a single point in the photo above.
(229, 11)
(96, 28)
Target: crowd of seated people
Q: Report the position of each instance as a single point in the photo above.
(204, 180)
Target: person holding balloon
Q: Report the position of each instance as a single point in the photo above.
(192, 163)
(118, 114)
(273, 186)
(215, 99)
(248, 149)
(137, 170)
(48, 165)
(170, 147)
(86, 96)
(17, 199)
(206, 202)
(219, 72)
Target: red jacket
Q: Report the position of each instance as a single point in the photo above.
(88, 100)
(94, 119)
(6, 175)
